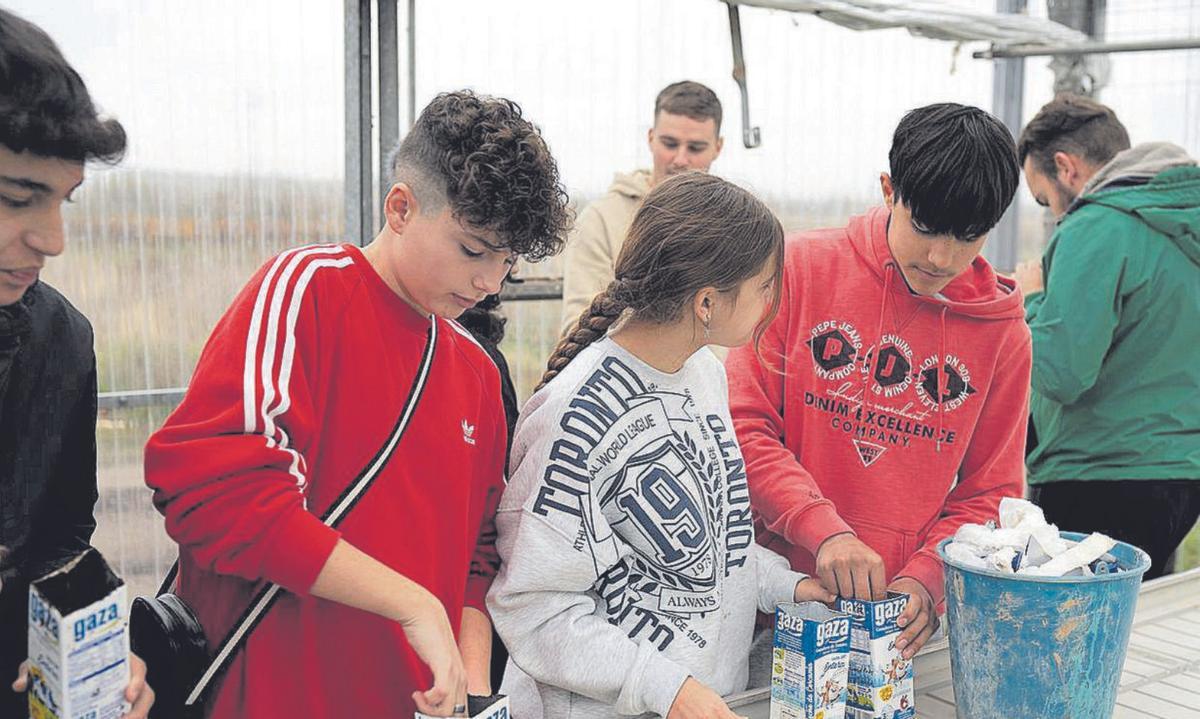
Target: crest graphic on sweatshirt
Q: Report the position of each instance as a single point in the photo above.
(880, 396)
(637, 467)
(892, 374)
(956, 383)
(835, 345)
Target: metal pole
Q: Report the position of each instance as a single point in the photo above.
(359, 196)
(1088, 48)
(389, 92)
(1080, 74)
(751, 137)
(1008, 90)
(412, 62)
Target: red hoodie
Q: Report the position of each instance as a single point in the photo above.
(298, 388)
(906, 470)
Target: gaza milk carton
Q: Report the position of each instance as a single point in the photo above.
(881, 681)
(78, 642)
(493, 707)
(809, 662)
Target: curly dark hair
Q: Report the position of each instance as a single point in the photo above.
(45, 108)
(491, 164)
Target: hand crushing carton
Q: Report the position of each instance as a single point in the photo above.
(881, 680)
(809, 662)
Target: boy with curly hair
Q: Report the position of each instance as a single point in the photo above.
(299, 387)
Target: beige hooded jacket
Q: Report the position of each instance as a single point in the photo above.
(593, 246)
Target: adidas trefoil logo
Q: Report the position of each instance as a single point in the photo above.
(468, 432)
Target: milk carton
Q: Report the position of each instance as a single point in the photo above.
(881, 681)
(809, 662)
(493, 707)
(78, 642)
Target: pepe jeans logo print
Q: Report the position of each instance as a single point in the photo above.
(956, 383)
(835, 347)
(892, 374)
(837, 351)
(902, 394)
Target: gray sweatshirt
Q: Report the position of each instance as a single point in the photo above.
(629, 560)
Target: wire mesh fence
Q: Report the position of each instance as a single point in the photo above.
(235, 114)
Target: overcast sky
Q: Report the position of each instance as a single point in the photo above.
(256, 85)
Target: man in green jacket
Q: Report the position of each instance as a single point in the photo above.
(1116, 330)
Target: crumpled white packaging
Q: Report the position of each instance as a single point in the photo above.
(1016, 513)
(966, 554)
(1001, 560)
(1025, 543)
(1079, 556)
(989, 539)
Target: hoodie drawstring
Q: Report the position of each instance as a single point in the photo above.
(939, 375)
(868, 367)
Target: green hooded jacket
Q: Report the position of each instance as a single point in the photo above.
(1116, 333)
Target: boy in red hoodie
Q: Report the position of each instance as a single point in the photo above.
(297, 391)
(887, 406)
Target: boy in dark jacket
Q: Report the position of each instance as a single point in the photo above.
(48, 130)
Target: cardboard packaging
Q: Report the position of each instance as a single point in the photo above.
(881, 681)
(493, 707)
(78, 642)
(809, 662)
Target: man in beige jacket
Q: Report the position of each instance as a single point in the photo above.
(686, 136)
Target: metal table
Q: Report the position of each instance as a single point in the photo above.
(1161, 678)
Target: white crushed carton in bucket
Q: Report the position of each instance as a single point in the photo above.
(493, 707)
(881, 680)
(78, 642)
(809, 662)
(1025, 543)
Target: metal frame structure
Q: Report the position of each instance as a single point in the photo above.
(359, 103)
(373, 50)
(1088, 48)
(371, 39)
(751, 136)
(1008, 91)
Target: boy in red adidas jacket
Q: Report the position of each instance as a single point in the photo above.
(297, 390)
(888, 407)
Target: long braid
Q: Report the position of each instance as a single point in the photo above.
(592, 324)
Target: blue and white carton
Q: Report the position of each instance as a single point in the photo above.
(809, 662)
(881, 680)
(78, 642)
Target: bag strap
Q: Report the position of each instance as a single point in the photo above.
(337, 511)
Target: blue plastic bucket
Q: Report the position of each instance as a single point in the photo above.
(1036, 646)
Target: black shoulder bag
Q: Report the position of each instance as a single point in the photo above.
(164, 631)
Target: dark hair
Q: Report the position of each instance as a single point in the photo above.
(692, 231)
(1074, 125)
(485, 320)
(492, 166)
(690, 99)
(955, 168)
(44, 107)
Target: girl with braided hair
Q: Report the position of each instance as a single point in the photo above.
(630, 577)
